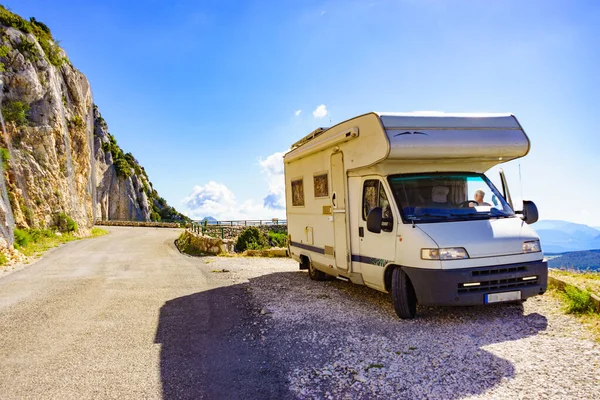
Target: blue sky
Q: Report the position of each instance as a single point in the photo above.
(202, 93)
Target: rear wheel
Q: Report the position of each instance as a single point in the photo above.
(403, 295)
(314, 273)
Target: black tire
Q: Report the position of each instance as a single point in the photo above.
(403, 295)
(314, 273)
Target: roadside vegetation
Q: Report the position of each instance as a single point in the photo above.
(254, 239)
(576, 296)
(251, 242)
(33, 242)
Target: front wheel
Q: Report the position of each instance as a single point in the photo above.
(403, 295)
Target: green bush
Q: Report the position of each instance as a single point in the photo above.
(3, 259)
(577, 301)
(13, 20)
(154, 216)
(251, 239)
(22, 238)
(28, 49)
(15, 111)
(278, 239)
(122, 167)
(65, 223)
(4, 157)
(4, 50)
(76, 121)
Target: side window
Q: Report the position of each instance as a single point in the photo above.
(370, 193)
(321, 186)
(374, 196)
(298, 193)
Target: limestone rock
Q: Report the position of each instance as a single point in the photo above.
(62, 158)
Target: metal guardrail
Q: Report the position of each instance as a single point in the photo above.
(250, 222)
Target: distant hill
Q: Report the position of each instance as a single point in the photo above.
(563, 236)
(209, 220)
(582, 260)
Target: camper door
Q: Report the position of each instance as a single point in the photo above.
(376, 250)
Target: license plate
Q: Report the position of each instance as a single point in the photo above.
(505, 296)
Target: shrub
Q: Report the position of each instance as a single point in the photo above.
(28, 49)
(122, 167)
(3, 259)
(251, 239)
(577, 301)
(4, 50)
(15, 111)
(13, 20)
(40, 24)
(278, 239)
(154, 216)
(22, 238)
(4, 157)
(76, 121)
(65, 223)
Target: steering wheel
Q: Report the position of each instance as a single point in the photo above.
(465, 204)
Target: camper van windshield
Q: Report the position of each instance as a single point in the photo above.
(448, 197)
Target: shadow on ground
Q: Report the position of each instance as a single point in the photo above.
(212, 349)
(212, 345)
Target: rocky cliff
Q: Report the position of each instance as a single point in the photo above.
(57, 153)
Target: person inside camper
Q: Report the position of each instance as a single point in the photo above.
(479, 195)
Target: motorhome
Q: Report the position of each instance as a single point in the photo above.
(400, 202)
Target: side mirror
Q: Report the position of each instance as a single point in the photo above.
(374, 220)
(530, 212)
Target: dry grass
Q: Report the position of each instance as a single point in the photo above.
(43, 243)
(576, 296)
(589, 281)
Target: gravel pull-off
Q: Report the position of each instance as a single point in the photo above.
(339, 340)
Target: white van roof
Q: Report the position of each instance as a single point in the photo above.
(480, 139)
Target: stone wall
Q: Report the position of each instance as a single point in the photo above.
(198, 245)
(148, 224)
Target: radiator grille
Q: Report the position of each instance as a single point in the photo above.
(494, 282)
(496, 271)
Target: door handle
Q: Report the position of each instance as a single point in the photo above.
(333, 200)
(361, 232)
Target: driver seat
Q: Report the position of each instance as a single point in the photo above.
(439, 197)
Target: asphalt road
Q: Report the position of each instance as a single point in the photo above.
(127, 316)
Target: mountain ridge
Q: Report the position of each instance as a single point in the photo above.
(559, 236)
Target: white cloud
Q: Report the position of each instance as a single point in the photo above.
(213, 199)
(218, 201)
(297, 113)
(320, 111)
(272, 168)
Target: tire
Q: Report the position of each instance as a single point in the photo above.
(403, 295)
(314, 273)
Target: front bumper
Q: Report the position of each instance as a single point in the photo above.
(445, 287)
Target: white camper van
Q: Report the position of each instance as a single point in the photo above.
(400, 203)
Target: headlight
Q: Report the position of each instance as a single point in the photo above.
(449, 253)
(531, 246)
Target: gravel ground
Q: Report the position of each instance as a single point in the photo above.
(337, 340)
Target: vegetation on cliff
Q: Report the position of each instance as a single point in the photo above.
(58, 156)
(40, 31)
